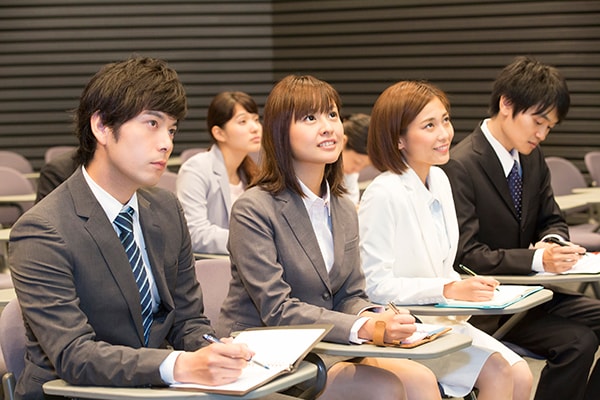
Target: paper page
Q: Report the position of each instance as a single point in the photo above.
(423, 331)
(504, 296)
(588, 264)
(279, 349)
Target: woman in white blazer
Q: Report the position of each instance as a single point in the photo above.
(409, 237)
(208, 183)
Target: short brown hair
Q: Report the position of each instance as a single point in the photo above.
(393, 111)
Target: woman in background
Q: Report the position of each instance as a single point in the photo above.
(409, 237)
(294, 248)
(209, 183)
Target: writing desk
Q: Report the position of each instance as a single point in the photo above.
(537, 279)
(16, 200)
(203, 256)
(6, 295)
(443, 345)
(516, 309)
(4, 238)
(305, 371)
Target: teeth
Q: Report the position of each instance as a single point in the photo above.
(327, 144)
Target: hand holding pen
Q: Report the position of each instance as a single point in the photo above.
(484, 279)
(212, 339)
(560, 256)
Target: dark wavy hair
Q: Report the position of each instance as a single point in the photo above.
(120, 91)
(527, 83)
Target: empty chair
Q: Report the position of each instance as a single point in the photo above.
(188, 153)
(565, 177)
(13, 183)
(167, 181)
(592, 163)
(16, 161)
(12, 343)
(214, 275)
(54, 151)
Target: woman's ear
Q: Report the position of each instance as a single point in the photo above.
(218, 133)
(400, 144)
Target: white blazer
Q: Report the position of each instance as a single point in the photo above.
(403, 258)
(203, 190)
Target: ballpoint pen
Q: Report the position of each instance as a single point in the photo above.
(472, 273)
(210, 338)
(562, 243)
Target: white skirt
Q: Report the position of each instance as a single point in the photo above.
(458, 371)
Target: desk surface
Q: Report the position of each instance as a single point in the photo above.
(545, 279)
(4, 234)
(445, 344)
(59, 387)
(6, 295)
(528, 302)
(17, 198)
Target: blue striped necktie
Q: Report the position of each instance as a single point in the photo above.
(124, 221)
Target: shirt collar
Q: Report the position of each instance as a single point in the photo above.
(310, 199)
(111, 206)
(507, 158)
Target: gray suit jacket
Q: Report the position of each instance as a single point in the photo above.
(203, 190)
(279, 276)
(80, 300)
(492, 239)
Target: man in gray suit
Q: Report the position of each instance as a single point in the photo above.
(73, 277)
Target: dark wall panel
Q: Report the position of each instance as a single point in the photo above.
(363, 47)
(49, 50)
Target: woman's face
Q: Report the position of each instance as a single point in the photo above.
(242, 133)
(428, 137)
(317, 139)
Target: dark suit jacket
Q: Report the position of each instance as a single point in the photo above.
(492, 240)
(55, 172)
(279, 276)
(79, 297)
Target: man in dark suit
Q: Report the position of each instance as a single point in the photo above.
(55, 172)
(73, 277)
(502, 235)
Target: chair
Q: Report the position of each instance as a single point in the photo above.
(592, 163)
(16, 161)
(188, 153)
(168, 181)
(12, 343)
(214, 275)
(14, 183)
(54, 151)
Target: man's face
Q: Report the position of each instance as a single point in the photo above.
(136, 155)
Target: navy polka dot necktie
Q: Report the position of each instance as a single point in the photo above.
(515, 185)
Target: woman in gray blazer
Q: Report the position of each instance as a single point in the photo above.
(294, 248)
(208, 183)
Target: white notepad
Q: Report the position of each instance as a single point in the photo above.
(280, 348)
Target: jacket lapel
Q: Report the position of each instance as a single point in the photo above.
(296, 216)
(108, 244)
(492, 168)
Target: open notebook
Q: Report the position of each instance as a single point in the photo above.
(280, 348)
(503, 297)
(588, 264)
